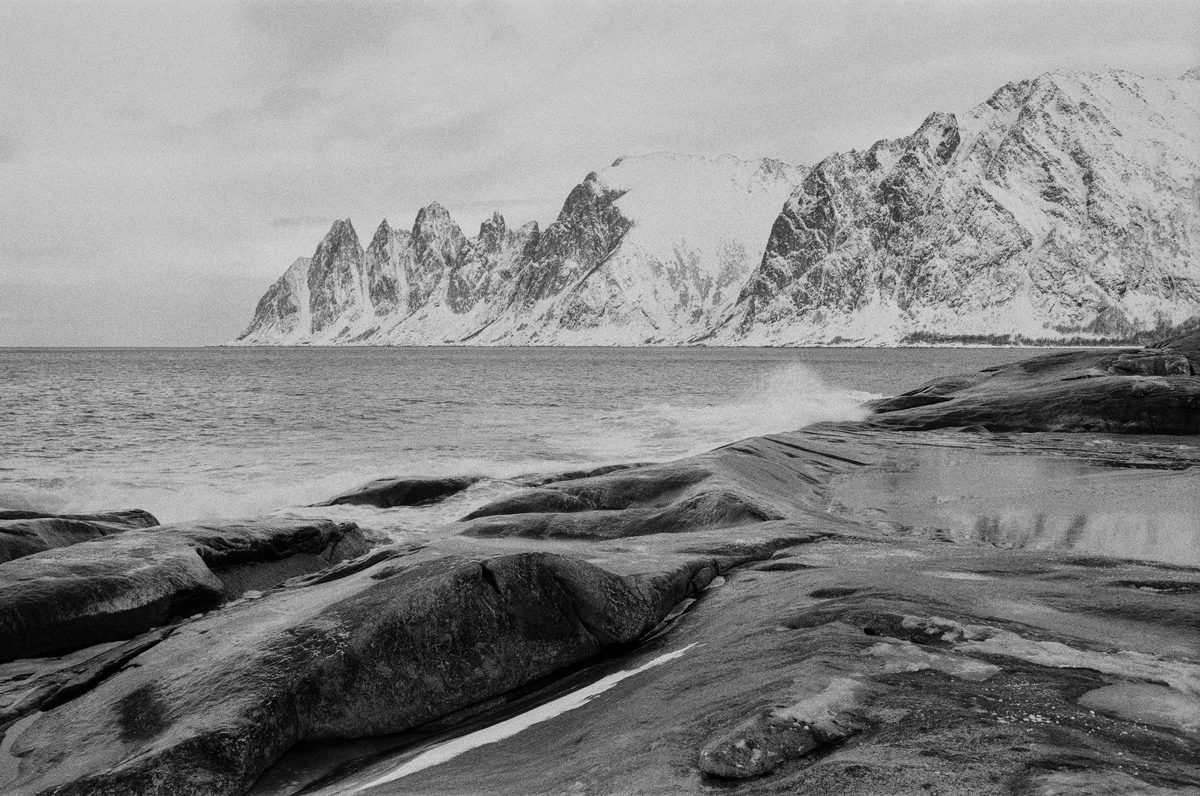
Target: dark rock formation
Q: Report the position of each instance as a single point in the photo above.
(1153, 390)
(116, 587)
(720, 489)
(932, 669)
(562, 517)
(23, 533)
(406, 491)
(210, 706)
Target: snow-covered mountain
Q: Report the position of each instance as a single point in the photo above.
(1064, 206)
(649, 250)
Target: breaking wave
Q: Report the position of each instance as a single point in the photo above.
(286, 460)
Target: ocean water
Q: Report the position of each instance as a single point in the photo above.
(219, 433)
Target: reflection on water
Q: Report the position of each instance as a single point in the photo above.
(1032, 502)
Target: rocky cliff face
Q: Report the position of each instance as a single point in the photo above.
(1064, 206)
(1067, 206)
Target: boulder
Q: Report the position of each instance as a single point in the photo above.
(116, 587)
(767, 740)
(23, 533)
(388, 493)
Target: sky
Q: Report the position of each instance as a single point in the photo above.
(161, 164)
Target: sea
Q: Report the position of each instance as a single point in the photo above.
(215, 433)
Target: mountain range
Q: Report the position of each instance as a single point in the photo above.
(1063, 208)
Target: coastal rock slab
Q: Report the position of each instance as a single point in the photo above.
(116, 587)
(1153, 390)
(752, 481)
(209, 707)
(24, 533)
(388, 493)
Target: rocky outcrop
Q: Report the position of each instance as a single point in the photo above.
(210, 706)
(388, 493)
(722, 489)
(856, 662)
(864, 648)
(767, 740)
(1152, 390)
(23, 533)
(116, 587)
(848, 608)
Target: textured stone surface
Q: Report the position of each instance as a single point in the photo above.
(408, 491)
(119, 586)
(213, 704)
(23, 533)
(1152, 390)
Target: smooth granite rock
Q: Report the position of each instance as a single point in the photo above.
(210, 706)
(408, 491)
(752, 481)
(24, 533)
(1154, 390)
(116, 587)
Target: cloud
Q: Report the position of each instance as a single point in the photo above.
(298, 221)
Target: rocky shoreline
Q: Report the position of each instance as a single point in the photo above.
(849, 649)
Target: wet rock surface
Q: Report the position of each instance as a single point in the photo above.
(211, 705)
(852, 608)
(388, 493)
(1154, 390)
(116, 587)
(24, 533)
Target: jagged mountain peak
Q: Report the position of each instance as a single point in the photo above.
(433, 209)
(342, 230)
(492, 225)
(383, 234)
(434, 223)
(1058, 206)
(492, 232)
(432, 216)
(1064, 204)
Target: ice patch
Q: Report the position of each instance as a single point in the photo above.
(1146, 702)
(948, 575)
(1183, 677)
(905, 656)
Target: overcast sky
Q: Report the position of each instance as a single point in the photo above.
(162, 163)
